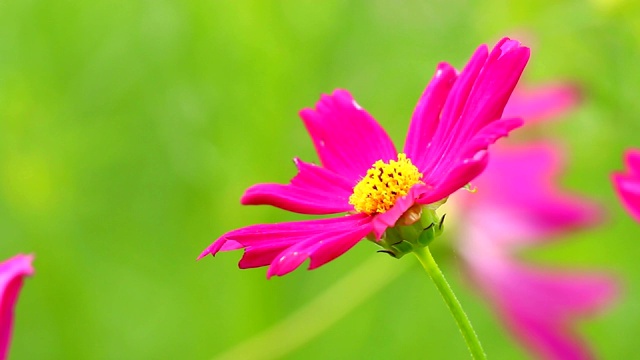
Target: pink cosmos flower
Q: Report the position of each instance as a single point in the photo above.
(457, 117)
(518, 206)
(628, 184)
(12, 273)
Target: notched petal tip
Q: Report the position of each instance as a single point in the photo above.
(632, 161)
(506, 44)
(445, 70)
(20, 265)
(286, 263)
(211, 249)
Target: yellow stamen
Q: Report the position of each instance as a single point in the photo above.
(384, 183)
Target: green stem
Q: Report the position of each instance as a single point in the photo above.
(470, 337)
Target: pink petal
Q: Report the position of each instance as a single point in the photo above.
(286, 245)
(547, 340)
(540, 306)
(263, 254)
(314, 190)
(426, 115)
(494, 85)
(491, 91)
(320, 248)
(517, 203)
(452, 154)
(348, 140)
(456, 179)
(541, 103)
(571, 293)
(459, 95)
(629, 191)
(332, 247)
(632, 159)
(265, 233)
(12, 273)
(489, 135)
(518, 197)
(460, 174)
(628, 184)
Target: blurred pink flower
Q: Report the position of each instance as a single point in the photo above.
(457, 117)
(517, 206)
(12, 273)
(542, 103)
(627, 184)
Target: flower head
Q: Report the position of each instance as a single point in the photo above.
(457, 117)
(12, 273)
(628, 184)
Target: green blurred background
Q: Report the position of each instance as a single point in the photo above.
(129, 130)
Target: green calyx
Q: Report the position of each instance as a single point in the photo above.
(403, 239)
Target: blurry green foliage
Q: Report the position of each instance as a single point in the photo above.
(129, 129)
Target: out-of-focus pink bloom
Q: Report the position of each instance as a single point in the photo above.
(457, 117)
(541, 103)
(517, 206)
(628, 183)
(12, 273)
(520, 185)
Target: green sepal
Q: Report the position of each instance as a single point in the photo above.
(400, 240)
(440, 227)
(427, 235)
(402, 247)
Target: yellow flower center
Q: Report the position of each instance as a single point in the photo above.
(384, 183)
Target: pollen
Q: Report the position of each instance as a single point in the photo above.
(383, 184)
